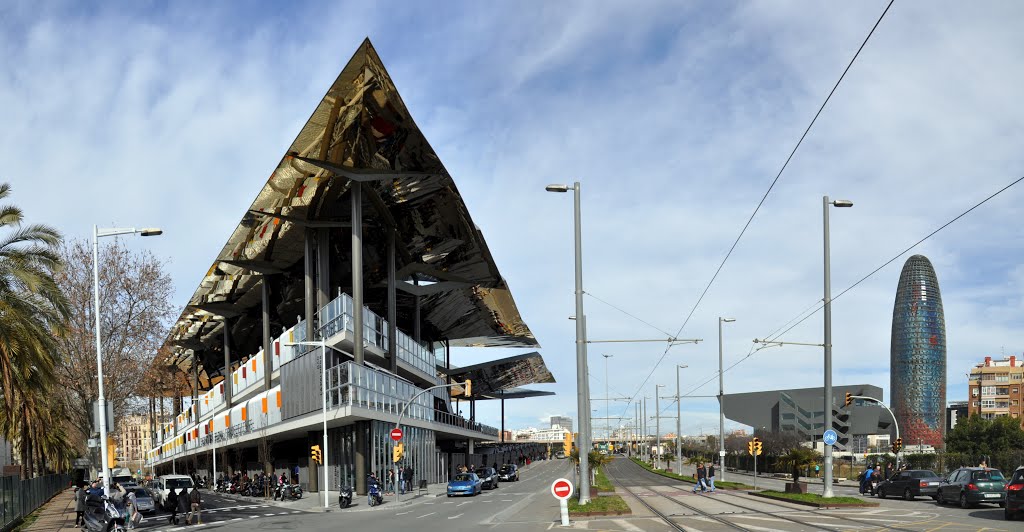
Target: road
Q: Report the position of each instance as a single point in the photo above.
(219, 510)
(737, 510)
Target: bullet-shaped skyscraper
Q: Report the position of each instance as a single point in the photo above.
(917, 373)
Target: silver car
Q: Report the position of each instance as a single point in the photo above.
(143, 500)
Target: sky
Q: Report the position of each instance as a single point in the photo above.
(674, 116)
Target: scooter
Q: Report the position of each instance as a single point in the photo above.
(103, 515)
(345, 497)
(375, 495)
(288, 491)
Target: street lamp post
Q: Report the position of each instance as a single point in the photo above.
(721, 401)
(679, 417)
(607, 402)
(657, 426)
(322, 344)
(828, 339)
(101, 400)
(582, 399)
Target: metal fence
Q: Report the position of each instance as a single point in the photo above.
(18, 498)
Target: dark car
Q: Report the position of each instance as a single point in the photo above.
(508, 473)
(488, 476)
(1015, 495)
(911, 483)
(972, 485)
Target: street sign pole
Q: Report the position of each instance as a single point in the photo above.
(562, 489)
(755, 470)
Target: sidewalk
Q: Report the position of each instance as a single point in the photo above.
(57, 514)
(314, 501)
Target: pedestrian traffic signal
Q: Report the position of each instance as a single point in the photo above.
(316, 454)
(397, 451)
(467, 387)
(849, 399)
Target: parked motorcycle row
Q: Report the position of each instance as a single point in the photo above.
(258, 488)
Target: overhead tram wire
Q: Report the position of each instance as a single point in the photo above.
(767, 192)
(649, 324)
(819, 304)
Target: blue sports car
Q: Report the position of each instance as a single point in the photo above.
(465, 484)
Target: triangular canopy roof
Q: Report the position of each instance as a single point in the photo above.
(360, 131)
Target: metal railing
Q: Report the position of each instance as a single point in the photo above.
(18, 498)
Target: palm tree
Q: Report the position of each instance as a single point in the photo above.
(798, 458)
(32, 310)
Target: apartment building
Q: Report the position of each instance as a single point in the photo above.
(994, 388)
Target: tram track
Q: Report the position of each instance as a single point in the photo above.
(753, 511)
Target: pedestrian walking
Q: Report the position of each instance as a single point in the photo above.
(132, 507)
(80, 505)
(172, 501)
(711, 476)
(389, 487)
(194, 503)
(183, 502)
(888, 471)
(407, 477)
(701, 478)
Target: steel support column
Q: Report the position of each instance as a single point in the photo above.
(323, 267)
(268, 348)
(309, 291)
(227, 364)
(392, 305)
(357, 272)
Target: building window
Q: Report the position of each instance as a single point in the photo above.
(1003, 377)
(974, 392)
(1016, 390)
(975, 405)
(988, 403)
(988, 390)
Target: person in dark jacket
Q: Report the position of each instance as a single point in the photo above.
(702, 475)
(183, 502)
(80, 505)
(172, 502)
(711, 477)
(407, 477)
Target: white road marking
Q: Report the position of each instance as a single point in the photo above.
(269, 515)
(464, 502)
(626, 525)
(456, 516)
(403, 513)
(425, 515)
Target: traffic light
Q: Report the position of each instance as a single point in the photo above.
(316, 454)
(111, 452)
(750, 447)
(897, 445)
(467, 387)
(757, 445)
(397, 452)
(567, 442)
(849, 399)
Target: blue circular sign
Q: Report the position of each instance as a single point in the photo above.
(830, 437)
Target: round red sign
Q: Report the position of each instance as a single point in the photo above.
(396, 434)
(561, 489)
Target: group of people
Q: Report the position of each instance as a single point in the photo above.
(187, 503)
(705, 478)
(404, 480)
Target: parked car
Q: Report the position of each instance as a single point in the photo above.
(144, 501)
(465, 484)
(164, 484)
(488, 477)
(508, 473)
(1015, 495)
(911, 483)
(972, 485)
(560, 454)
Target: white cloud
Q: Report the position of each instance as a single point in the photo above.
(674, 120)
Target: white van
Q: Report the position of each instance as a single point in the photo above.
(162, 486)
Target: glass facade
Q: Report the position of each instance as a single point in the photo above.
(420, 452)
(917, 370)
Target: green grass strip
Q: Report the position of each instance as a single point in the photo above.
(690, 479)
(604, 503)
(815, 498)
(601, 481)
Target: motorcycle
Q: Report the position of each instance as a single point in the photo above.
(345, 497)
(289, 491)
(374, 495)
(104, 515)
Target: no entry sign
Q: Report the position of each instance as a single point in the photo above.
(561, 489)
(396, 434)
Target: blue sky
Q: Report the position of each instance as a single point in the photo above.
(675, 116)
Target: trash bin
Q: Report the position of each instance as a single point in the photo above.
(423, 483)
